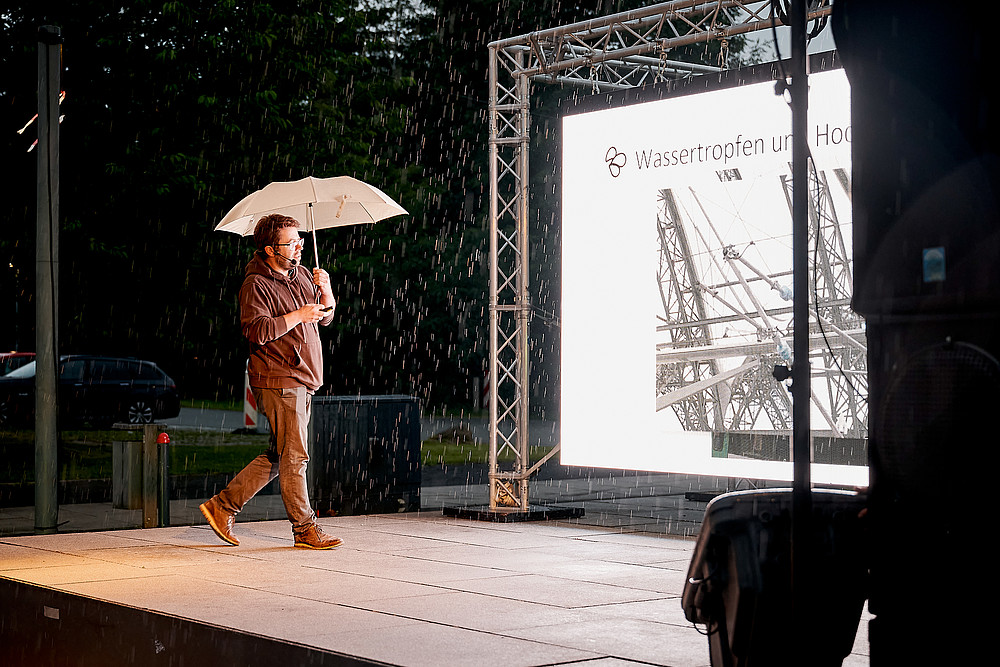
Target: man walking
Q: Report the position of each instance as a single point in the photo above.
(281, 306)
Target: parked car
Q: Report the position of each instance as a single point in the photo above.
(95, 390)
(13, 360)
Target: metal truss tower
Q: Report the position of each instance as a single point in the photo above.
(610, 53)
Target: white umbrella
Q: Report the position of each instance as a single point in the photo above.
(320, 202)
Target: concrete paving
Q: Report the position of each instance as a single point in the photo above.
(206, 419)
(404, 589)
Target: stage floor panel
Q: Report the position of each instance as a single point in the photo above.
(404, 589)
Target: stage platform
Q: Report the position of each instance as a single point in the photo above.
(404, 589)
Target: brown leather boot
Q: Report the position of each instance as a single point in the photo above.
(220, 520)
(313, 537)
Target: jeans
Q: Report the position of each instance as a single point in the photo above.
(287, 410)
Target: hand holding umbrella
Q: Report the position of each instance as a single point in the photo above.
(322, 280)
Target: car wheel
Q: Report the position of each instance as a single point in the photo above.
(140, 412)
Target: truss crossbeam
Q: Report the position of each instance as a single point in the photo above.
(616, 41)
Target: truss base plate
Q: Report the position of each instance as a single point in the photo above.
(534, 513)
(702, 496)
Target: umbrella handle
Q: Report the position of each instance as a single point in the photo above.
(312, 225)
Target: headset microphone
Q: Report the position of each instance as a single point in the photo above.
(294, 261)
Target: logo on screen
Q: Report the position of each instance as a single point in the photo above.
(616, 160)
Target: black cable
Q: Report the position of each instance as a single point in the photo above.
(819, 25)
(819, 320)
(710, 629)
(778, 12)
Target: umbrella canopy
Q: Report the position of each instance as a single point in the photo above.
(318, 202)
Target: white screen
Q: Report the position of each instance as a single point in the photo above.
(616, 165)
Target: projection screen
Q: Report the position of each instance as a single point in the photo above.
(712, 171)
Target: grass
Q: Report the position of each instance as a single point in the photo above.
(88, 454)
(444, 452)
(196, 460)
(212, 404)
(84, 454)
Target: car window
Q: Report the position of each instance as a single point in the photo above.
(26, 371)
(112, 370)
(149, 372)
(73, 369)
(12, 362)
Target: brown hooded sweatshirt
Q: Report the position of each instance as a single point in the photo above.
(280, 357)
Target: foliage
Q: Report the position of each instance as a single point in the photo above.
(176, 110)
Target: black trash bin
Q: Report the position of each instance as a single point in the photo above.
(365, 454)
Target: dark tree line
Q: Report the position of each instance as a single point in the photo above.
(176, 110)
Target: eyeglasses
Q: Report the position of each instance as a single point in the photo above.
(298, 243)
